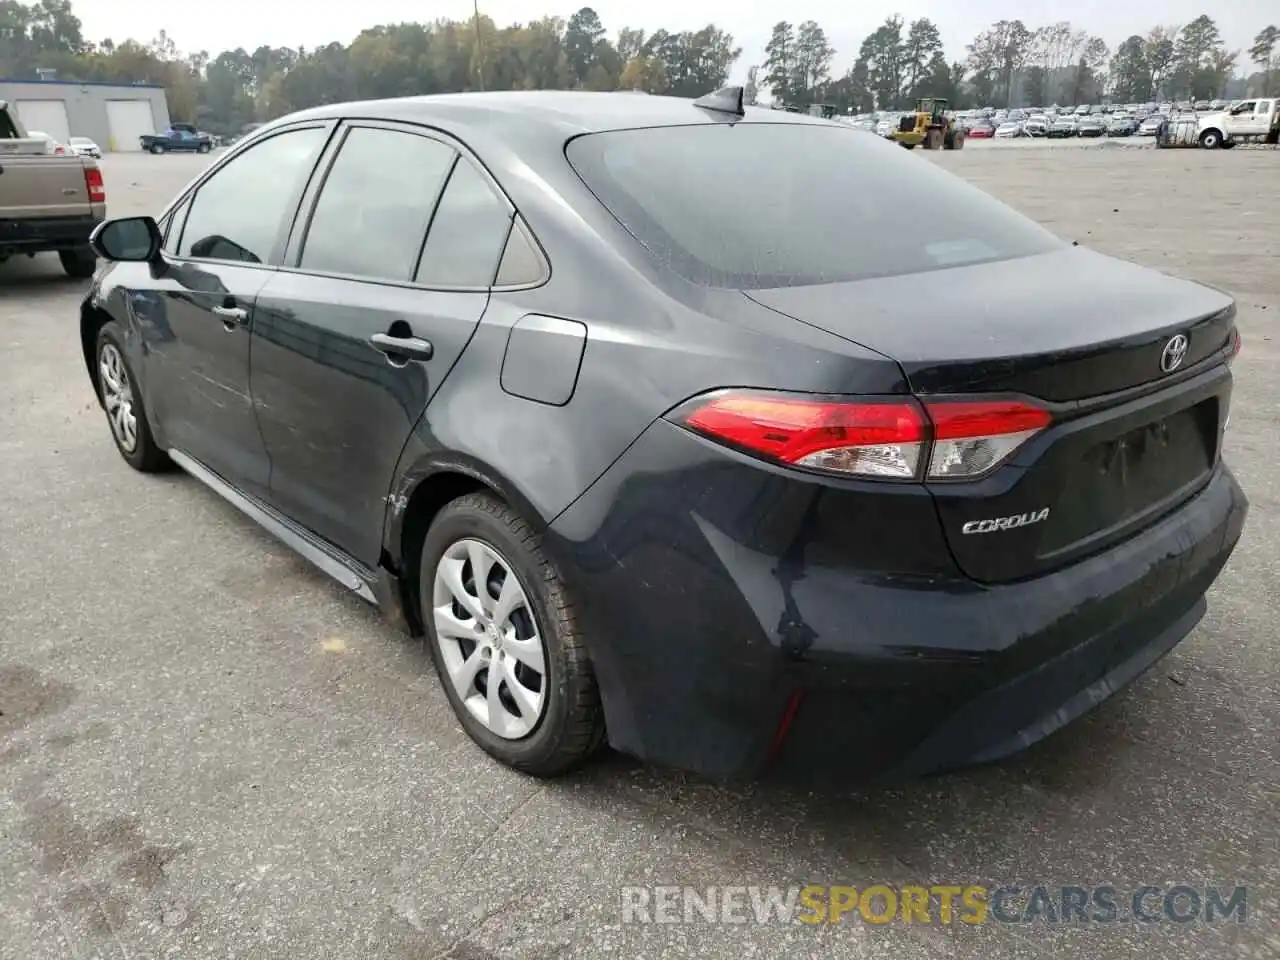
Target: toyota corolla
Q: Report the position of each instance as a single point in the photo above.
(664, 427)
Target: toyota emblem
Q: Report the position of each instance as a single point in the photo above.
(1175, 351)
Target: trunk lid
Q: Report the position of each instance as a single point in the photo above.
(1084, 335)
(1062, 327)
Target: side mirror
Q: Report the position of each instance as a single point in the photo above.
(128, 240)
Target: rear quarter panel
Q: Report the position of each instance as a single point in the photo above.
(652, 342)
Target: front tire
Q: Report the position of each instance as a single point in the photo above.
(503, 633)
(79, 264)
(121, 397)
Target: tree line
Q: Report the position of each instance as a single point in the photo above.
(224, 92)
(1008, 64)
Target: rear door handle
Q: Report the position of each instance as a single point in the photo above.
(403, 348)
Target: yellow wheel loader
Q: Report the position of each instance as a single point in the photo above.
(929, 127)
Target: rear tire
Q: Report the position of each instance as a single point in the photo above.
(121, 398)
(933, 140)
(79, 264)
(1211, 140)
(543, 729)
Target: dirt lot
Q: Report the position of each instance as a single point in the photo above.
(191, 767)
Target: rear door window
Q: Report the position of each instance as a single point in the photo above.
(468, 233)
(759, 205)
(371, 217)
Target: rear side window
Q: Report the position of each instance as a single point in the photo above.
(372, 214)
(759, 205)
(521, 263)
(238, 213)
(468, 233)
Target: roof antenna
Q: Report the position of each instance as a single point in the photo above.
(724, 100)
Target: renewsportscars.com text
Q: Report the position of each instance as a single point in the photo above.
(970, 904)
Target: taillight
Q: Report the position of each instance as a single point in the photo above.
(970, 438)
(1236, 344)
(870, 439)
(875, 438)
(94, 184)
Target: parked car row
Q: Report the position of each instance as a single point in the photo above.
(1052, 125)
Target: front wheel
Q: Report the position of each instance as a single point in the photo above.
(203, 148)
(121, 398)
(503, 632)
(157, 148)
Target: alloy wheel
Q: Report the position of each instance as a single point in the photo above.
(488, 638)
(117, 397)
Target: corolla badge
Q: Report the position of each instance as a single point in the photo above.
(1175, 351)
(999, 524)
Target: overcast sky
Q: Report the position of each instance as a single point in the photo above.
(226, 24)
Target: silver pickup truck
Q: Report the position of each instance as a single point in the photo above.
(47, 203)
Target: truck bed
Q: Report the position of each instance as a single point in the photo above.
(47, 202)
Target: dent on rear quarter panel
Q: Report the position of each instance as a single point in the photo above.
(637, 362)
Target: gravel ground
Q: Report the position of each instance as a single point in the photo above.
(209, 750)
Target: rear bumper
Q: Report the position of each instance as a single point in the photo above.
(51, 233)
(716, 608)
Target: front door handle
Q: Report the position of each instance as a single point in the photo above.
(232, 317)
(403, 348)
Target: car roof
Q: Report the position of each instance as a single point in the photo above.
(544, 114)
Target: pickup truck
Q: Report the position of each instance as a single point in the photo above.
(47, 203)
(1245, 121)
(179, 138)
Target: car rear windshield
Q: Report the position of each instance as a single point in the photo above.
(760, 205)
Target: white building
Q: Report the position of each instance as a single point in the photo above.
(112, 115)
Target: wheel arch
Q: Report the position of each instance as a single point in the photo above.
(427, 487)
(92, 320)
